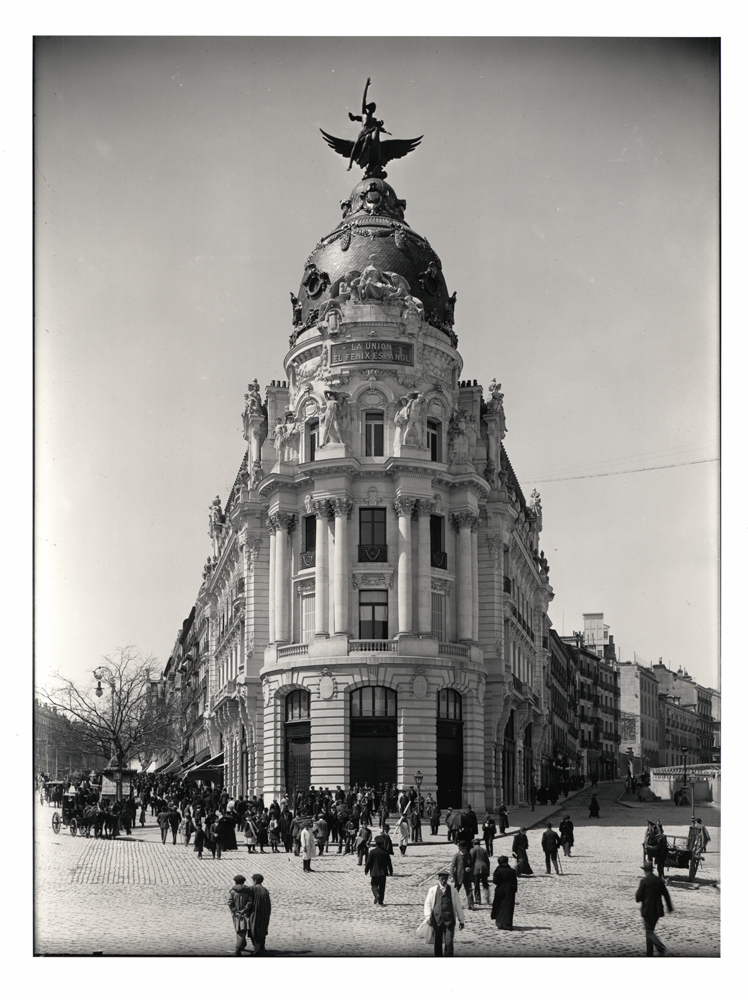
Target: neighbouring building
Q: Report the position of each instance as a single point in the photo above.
(640, 719)
(563, 703)
(679, 732)
(53, 755)
(690, 694)
(595, 632)
(375, 603)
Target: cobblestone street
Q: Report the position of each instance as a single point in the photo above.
(136, 896)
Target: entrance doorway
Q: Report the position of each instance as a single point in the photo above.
(509, 763)
(298, 739)
(449, 749)
(373, 736)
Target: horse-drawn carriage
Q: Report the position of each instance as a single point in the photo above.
(83, 817)
(52, 792)
(673, 852)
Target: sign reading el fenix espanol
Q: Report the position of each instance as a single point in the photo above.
(359, 352)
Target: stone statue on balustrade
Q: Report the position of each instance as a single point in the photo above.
(254, 422)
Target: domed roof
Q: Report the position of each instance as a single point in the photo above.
(374, 226)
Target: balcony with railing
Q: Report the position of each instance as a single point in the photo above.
(453, 649)
(372, 645)
(372, 553)
(307, 560)
(439, 560)
(293, 649)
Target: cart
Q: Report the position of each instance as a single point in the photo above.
(51, 792)
(71, 817)
(679, 852)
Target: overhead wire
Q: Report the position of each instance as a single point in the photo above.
(622, 472)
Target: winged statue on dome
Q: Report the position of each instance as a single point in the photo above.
(368, 150)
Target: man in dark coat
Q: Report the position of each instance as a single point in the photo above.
(259, 916)
(650, 894)
(387, 844)
(594, 805)
(550, 842)
(505, 880)
(461, 871)
(163, 821)
(519, 850)
(379, 866)
(489, 833)
(239, 903)
(566, 830)
(435, 817)
(481, 869)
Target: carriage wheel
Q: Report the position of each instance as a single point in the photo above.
(73, 826)
(56, 822)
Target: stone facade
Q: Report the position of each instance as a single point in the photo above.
(376, 600)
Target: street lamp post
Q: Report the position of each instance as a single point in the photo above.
(98, 672)
(419, 778)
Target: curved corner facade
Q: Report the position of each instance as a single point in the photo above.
(375, 602)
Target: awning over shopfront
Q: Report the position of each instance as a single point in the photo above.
(186, 765)
(161, 768)
(209, 770)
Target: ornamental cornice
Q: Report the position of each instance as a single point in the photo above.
(305, 586)
(362, 579)
(441, 586)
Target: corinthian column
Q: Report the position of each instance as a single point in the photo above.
(474, 566)
(462, 524)
(404, 509)
(342, 508)
(423, 582)
(320, 508)
(285, 525)
(272, 528)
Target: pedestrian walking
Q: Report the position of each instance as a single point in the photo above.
(363, 838)
(403, 832)
(387, 840)
(240, 899)
(259, 914)
(461, 871)
(163, 821)
(550, 843)
(489, 834)
(650, 894)
(216, 836)
(443, 910)
(505, 880)
(199, 840)
(481, 869)
(378, 866)
(435, 817)
(307, 846)
(520, 845)
(503, 819)
(594, 805)
(175, 818)
(186, 829)
(566, 831)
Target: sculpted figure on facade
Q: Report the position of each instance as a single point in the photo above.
(296, 307)
(463, 437)
(290, 446)
(254, 421)
(334, 418)
(495, 406)
(410, 421)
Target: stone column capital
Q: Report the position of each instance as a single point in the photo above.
(340, 507)
(404, 506)
(423, 508)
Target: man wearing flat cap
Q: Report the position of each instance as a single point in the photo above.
(379, 866)
(240, 903)
(443, 909)
(650, 894)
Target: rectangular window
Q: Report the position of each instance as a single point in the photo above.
(439, 616)
(438, 555)
(434, 440)
(307, 616)
(374, 444)
(310, 533)
(373, 525)
(372, 614)
(313, 437)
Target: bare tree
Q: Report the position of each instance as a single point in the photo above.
(127, 716)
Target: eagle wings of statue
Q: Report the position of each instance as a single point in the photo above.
(368, 150)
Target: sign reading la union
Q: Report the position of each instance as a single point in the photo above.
(360, 352)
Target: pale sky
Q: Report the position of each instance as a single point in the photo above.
(571, 189)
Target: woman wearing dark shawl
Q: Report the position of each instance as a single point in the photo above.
(519, 850)
(505, 880)
(259, 916)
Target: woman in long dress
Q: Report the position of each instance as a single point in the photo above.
(250, 834)
(505, 880)
(519, 850)
(594, 807)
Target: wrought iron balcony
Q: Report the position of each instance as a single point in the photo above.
(439, 560)
(307, 560)
(372, 553)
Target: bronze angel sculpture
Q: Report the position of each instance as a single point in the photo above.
(368, 150)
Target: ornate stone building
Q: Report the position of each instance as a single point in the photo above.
(376, 600)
